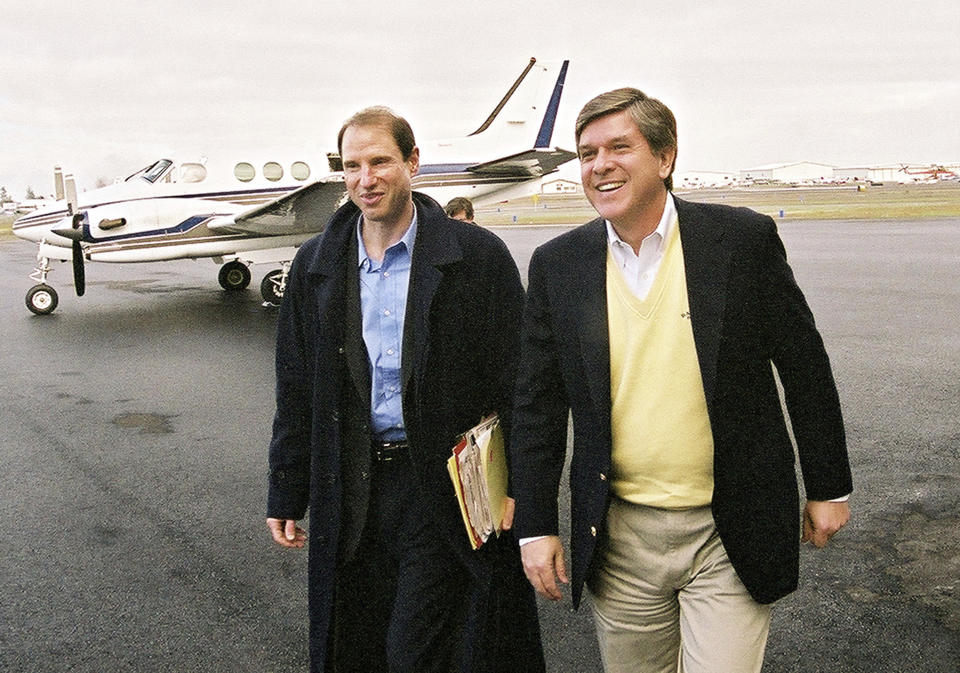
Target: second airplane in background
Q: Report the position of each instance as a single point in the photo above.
(242, 213)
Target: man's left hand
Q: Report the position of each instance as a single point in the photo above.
(821, 519)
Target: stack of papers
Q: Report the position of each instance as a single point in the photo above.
(478, 469)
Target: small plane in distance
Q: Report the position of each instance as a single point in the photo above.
(930, 173)
(247, 212)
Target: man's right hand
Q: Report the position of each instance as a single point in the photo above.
(287, 533)
(543, 565)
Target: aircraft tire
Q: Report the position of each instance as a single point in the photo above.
(234, 276)
(42, 299)
(270, 287)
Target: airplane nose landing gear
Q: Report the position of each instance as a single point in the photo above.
(42, 299)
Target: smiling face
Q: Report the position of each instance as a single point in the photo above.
(377, 176)
(622, 177)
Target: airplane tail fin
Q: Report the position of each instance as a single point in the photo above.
(527, 113)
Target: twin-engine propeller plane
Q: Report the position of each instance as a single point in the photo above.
(249, 212)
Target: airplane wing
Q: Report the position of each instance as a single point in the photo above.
(301, 211)
(532, 163)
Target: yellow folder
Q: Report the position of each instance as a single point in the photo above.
(478, 470)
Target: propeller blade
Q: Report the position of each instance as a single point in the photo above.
(79, 276)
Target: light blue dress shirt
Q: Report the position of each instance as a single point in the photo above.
(383, 303)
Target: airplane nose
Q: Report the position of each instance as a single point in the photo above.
(69, 232)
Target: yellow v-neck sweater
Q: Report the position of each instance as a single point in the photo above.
(662, 443)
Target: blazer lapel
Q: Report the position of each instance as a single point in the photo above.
(707, 261)
(589, 289)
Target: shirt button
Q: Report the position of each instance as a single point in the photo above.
(386, 312)
(386, 274)
(390, 351)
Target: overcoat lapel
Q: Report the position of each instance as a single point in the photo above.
(433, 249)
(707, 263)
(355, 350)
(327, 269)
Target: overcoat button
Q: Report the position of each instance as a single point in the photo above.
(603, 477)
(335, 416)
(593, 531)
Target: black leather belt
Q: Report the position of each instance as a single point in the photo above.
(387, 451)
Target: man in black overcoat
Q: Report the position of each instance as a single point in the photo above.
(398, 331)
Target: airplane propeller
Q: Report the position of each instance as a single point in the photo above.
(75, 233)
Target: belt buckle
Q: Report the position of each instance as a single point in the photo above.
(387, 451)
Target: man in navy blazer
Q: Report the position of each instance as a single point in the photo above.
(687, 585)
(398, 331)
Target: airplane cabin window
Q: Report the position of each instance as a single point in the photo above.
(192, 172)
(299, 170)
(244, 172)
(155, 171)
(272, 171)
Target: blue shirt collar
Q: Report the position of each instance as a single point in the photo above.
(407, 240)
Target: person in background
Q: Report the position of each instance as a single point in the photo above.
(460, 208)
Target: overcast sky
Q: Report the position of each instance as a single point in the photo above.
(103, 88)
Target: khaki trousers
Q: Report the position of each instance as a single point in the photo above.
(667, 599)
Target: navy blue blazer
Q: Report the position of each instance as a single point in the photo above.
(747, 312)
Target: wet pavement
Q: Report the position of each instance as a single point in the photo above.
(133, 446)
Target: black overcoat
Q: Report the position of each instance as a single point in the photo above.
(747, 314)
(460, 346)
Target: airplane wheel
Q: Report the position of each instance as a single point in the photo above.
(42, 299)
(270, 287)
(234, 276)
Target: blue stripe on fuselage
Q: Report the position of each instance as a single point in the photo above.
(180, 228)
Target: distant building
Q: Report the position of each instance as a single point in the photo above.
(789, 173)
(560, 186)
(32, 204)
(886, 173)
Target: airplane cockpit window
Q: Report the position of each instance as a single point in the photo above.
(244, 172)
(272, 171)
(156, 171)
(151, 172)
(192, 172)
(299, 170)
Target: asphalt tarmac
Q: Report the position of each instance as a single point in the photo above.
(133, 436)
